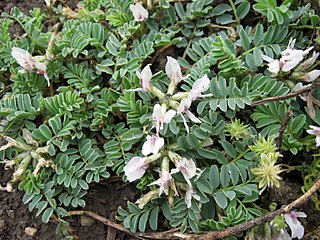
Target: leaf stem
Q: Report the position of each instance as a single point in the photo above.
(304, 26)
(234, 11)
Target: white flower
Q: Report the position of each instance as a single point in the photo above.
(184, 108)
(163, 182)
(136, 168)
(311, 76)
(24, 58)
(297, 230)
(273, 66)
(152, 145)
(199, 86)
(289, 61)
(187, 167)
(145, 77)
(315, 130)
(173, 70)
(139, 12)
(30, 63)
(310, 61)
(161, 116)
(190, 193)
(298, 87)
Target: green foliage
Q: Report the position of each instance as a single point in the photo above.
(19, 106)
(32, 25)
(98, 111)
(63, 103)
(270, 9)
(137, 219)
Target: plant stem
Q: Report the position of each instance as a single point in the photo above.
(304, 26)
(234, 11)
(279, 98)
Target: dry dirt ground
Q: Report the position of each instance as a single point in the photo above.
(105, 197)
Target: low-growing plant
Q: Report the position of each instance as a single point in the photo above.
(200, 104)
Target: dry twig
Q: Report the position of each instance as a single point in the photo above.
(279, 98)
(174, 234)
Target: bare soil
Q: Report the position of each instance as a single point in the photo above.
(105, 197)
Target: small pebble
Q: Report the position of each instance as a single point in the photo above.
(2, 224)
(86, 221)
(30, 231)
(10, 213)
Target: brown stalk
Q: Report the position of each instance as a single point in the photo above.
(279, 98)
(174, 234)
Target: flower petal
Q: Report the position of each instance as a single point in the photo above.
(173, 70)
(169, 115)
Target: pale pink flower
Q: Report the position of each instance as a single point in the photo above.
(145, 78)
(162, 116)
(30, 63)
(289, 60)
(310, 61)
(190, 193)
(24, 58)
(139, 12)
(311, 76)
(297, 230)
(173, 70)
(199, 86)
(315, 130)
(163, 182)
(136, 168)
(184, 108)
(152, 145)
(187, 167)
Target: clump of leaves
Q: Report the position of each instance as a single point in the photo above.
(174, 96)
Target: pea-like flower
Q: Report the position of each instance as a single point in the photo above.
(162, 116)
(24, 58)
(163, 182)
(187, 167)
(136, 168)
(310, 61)
(297, 230)
(315, 130)
(199, 86)
(153, 144)
(173, 70)
(30, 63)
(145, 78)
(298, 87)
(273, 66)
(311, 76)
(184, 108)
(139, 12)
(290, 59)
(190, 193)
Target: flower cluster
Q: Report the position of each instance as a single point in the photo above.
(176, 104)
(290, 58)
(29, 63)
